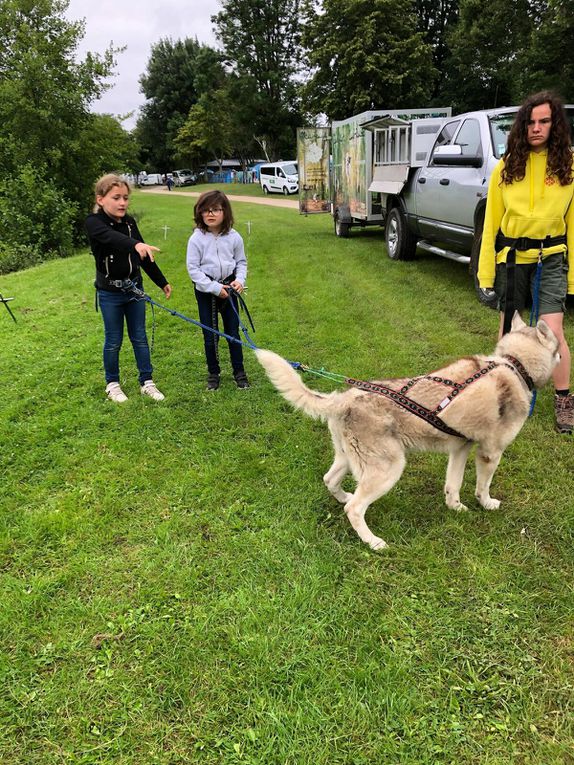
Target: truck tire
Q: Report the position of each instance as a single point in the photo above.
(285, 191)
(401, 244)
(341, 227)
(265, 190)
(473, 267)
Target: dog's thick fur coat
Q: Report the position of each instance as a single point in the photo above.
(372, 434)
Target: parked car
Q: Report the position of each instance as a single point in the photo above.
(183, 177)
(150, 179)
(280, 177)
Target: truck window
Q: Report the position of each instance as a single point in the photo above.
(446, 134)
(468, 138)
(267, 171)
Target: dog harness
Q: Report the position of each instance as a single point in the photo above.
(431, 416)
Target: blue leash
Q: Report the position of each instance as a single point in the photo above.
(141, 295)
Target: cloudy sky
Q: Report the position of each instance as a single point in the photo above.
(138, 24)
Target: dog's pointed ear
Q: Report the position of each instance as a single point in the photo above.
(517, 322)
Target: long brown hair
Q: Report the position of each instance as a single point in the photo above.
(208, 200)
(559, 161)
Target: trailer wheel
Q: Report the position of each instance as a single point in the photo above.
(341, 227)
(401, 244)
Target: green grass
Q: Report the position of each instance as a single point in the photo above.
(177, 585)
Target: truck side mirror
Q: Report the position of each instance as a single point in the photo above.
(452, 156)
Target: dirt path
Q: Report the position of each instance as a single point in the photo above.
(280, 202)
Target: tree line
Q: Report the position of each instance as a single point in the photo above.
(280, 64)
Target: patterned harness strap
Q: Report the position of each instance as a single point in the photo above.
(431, 416)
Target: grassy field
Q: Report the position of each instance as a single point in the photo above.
(177, 585)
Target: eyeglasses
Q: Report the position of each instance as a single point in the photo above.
(212, 211)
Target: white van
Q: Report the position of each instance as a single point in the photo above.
(150, 179)
(280, 177)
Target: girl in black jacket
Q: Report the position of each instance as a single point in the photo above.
(120, 253)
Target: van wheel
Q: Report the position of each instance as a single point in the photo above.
(342, 228)
(401, 244)
(285, 191)
(265, 190)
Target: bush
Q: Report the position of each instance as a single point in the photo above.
(36, 220)
(15, 257)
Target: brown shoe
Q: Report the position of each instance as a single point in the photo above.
(564, 413)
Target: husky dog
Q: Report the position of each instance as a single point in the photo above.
(487, 402)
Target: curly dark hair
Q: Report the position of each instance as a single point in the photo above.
(210, 199)
(559, 143)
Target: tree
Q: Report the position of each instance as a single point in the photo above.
(45, 96)
(484, 66)
(547, 62)
(436, 20)
(177, 74)
(206, 133)
(365, 54)
(261, 42)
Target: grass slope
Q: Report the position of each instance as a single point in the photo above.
(177, 585)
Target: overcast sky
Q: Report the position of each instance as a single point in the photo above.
(138, 24)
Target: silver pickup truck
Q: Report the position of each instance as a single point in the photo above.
(441, 207)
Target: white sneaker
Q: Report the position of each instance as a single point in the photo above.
(115, 393)
(149, 389)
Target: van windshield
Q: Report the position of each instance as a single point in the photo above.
(289, 169)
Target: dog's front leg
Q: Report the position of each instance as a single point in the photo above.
(455, 474)
(486, 463)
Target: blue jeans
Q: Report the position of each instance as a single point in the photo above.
(115, 307)
(209, 307)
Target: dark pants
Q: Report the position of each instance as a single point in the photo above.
(209, 307)
(115, 308)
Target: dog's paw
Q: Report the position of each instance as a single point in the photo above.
(489, 503)
(459, 507)
(377, 544)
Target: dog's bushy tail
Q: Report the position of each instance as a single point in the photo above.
(292, 387)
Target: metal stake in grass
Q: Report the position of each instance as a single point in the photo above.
(165, 230)
(5, 301)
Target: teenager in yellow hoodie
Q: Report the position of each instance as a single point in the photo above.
(531, 195)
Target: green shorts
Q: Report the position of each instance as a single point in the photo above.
(553, 284)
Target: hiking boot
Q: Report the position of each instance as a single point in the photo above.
(241, 379)
(115, 393)
(564, 413)
(212, 381)
(149, 389)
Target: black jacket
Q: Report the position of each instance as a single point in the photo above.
(113, 246)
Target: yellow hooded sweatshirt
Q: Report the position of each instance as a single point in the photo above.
(536, 207)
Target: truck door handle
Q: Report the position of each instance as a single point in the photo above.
(422, 180)
(444, 181)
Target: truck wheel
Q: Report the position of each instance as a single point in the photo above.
(285, 191)
(401, 244)
(473, 268)
(341, 228)
(265, 190)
